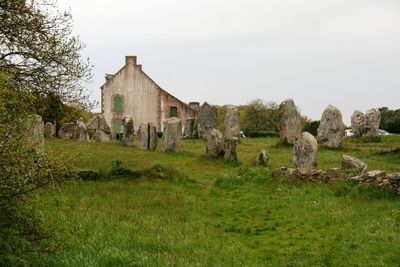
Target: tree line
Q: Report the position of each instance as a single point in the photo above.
(258, 118)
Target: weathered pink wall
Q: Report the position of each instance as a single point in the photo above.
(143, 99)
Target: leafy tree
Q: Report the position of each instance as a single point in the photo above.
(73, 114)
(221, 111)
(311, 127)
(36, 45)
(390, 120)
(39, 59)
(23, 170)
(260, 116)
(53, 110)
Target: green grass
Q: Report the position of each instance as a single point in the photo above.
(214, 213)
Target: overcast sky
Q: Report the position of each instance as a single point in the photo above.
(340, 52)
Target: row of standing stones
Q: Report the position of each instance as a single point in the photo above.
(331, 131)
(218, 144)
(330, 134)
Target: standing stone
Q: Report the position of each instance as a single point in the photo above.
(358, 121)
(172, 132)
(366, 125)
(81, 133)
(143, 136)
(232, 122)
(372, 121)
(37, 132)
(207, 119)
(147, 135)
(331, 130)
(195, 109)
(305, 151)
(153, 139)
(127, 131)
(190, 130)
(261, 158)
(230, 149)
(49, 130)
(103, 131)
(68, 130)
(289, 122)
(215, 144)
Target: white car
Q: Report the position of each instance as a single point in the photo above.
(349, 132)
(383, 132)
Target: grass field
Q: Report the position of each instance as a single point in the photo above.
(204, 212)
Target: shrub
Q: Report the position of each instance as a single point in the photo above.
(157, 171)
(256, 134)
(88, 175)
(118, 169)
(311, 127)
(23, 170)
(390, 120)
(259, 115)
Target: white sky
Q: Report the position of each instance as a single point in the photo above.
(340, 52)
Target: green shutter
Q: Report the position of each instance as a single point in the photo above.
(117, 104)
(117, 126)
(173, 112)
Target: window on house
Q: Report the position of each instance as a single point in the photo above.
(173, 112)
(117, 104)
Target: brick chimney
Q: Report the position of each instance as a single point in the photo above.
(130, 60)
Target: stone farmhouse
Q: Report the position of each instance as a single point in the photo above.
(132, 93)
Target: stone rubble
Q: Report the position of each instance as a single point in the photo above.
(375, 177)
(352, 164)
